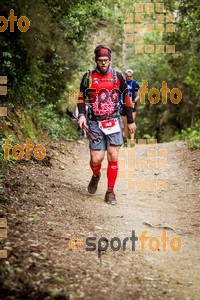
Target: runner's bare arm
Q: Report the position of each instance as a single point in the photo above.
(137, 96)
(82, 121)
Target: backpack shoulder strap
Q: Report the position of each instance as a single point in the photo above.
(88, 79)
(114, 73)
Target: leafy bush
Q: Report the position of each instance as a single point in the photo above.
(191, 135)
(57, 126)
(4, 165)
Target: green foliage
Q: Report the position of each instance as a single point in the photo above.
(3, 162)
(190, 135)
(179, 72)
(47, 61)
(57, 126)
(4, 165)
(42, 63)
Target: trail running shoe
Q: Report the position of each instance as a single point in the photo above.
(92, 186)
(110, 198)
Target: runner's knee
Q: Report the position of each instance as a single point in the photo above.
(97, 157)
(112, 153)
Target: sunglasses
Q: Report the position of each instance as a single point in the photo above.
(103, 61)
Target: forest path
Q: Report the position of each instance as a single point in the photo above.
(50, 214)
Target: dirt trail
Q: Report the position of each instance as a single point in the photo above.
(47, 205)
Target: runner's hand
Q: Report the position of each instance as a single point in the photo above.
(82, 121)
(132, 127)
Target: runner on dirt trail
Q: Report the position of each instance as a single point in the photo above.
(101, 89)
(133, 88)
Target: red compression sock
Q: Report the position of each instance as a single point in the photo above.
(95, 169)
(112, 171)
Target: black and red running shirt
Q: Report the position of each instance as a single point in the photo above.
(103, 94)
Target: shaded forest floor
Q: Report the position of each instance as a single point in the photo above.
(47, 205)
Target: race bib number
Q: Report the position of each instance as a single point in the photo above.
(109, 126)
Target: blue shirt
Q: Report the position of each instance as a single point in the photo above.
(133, 87)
